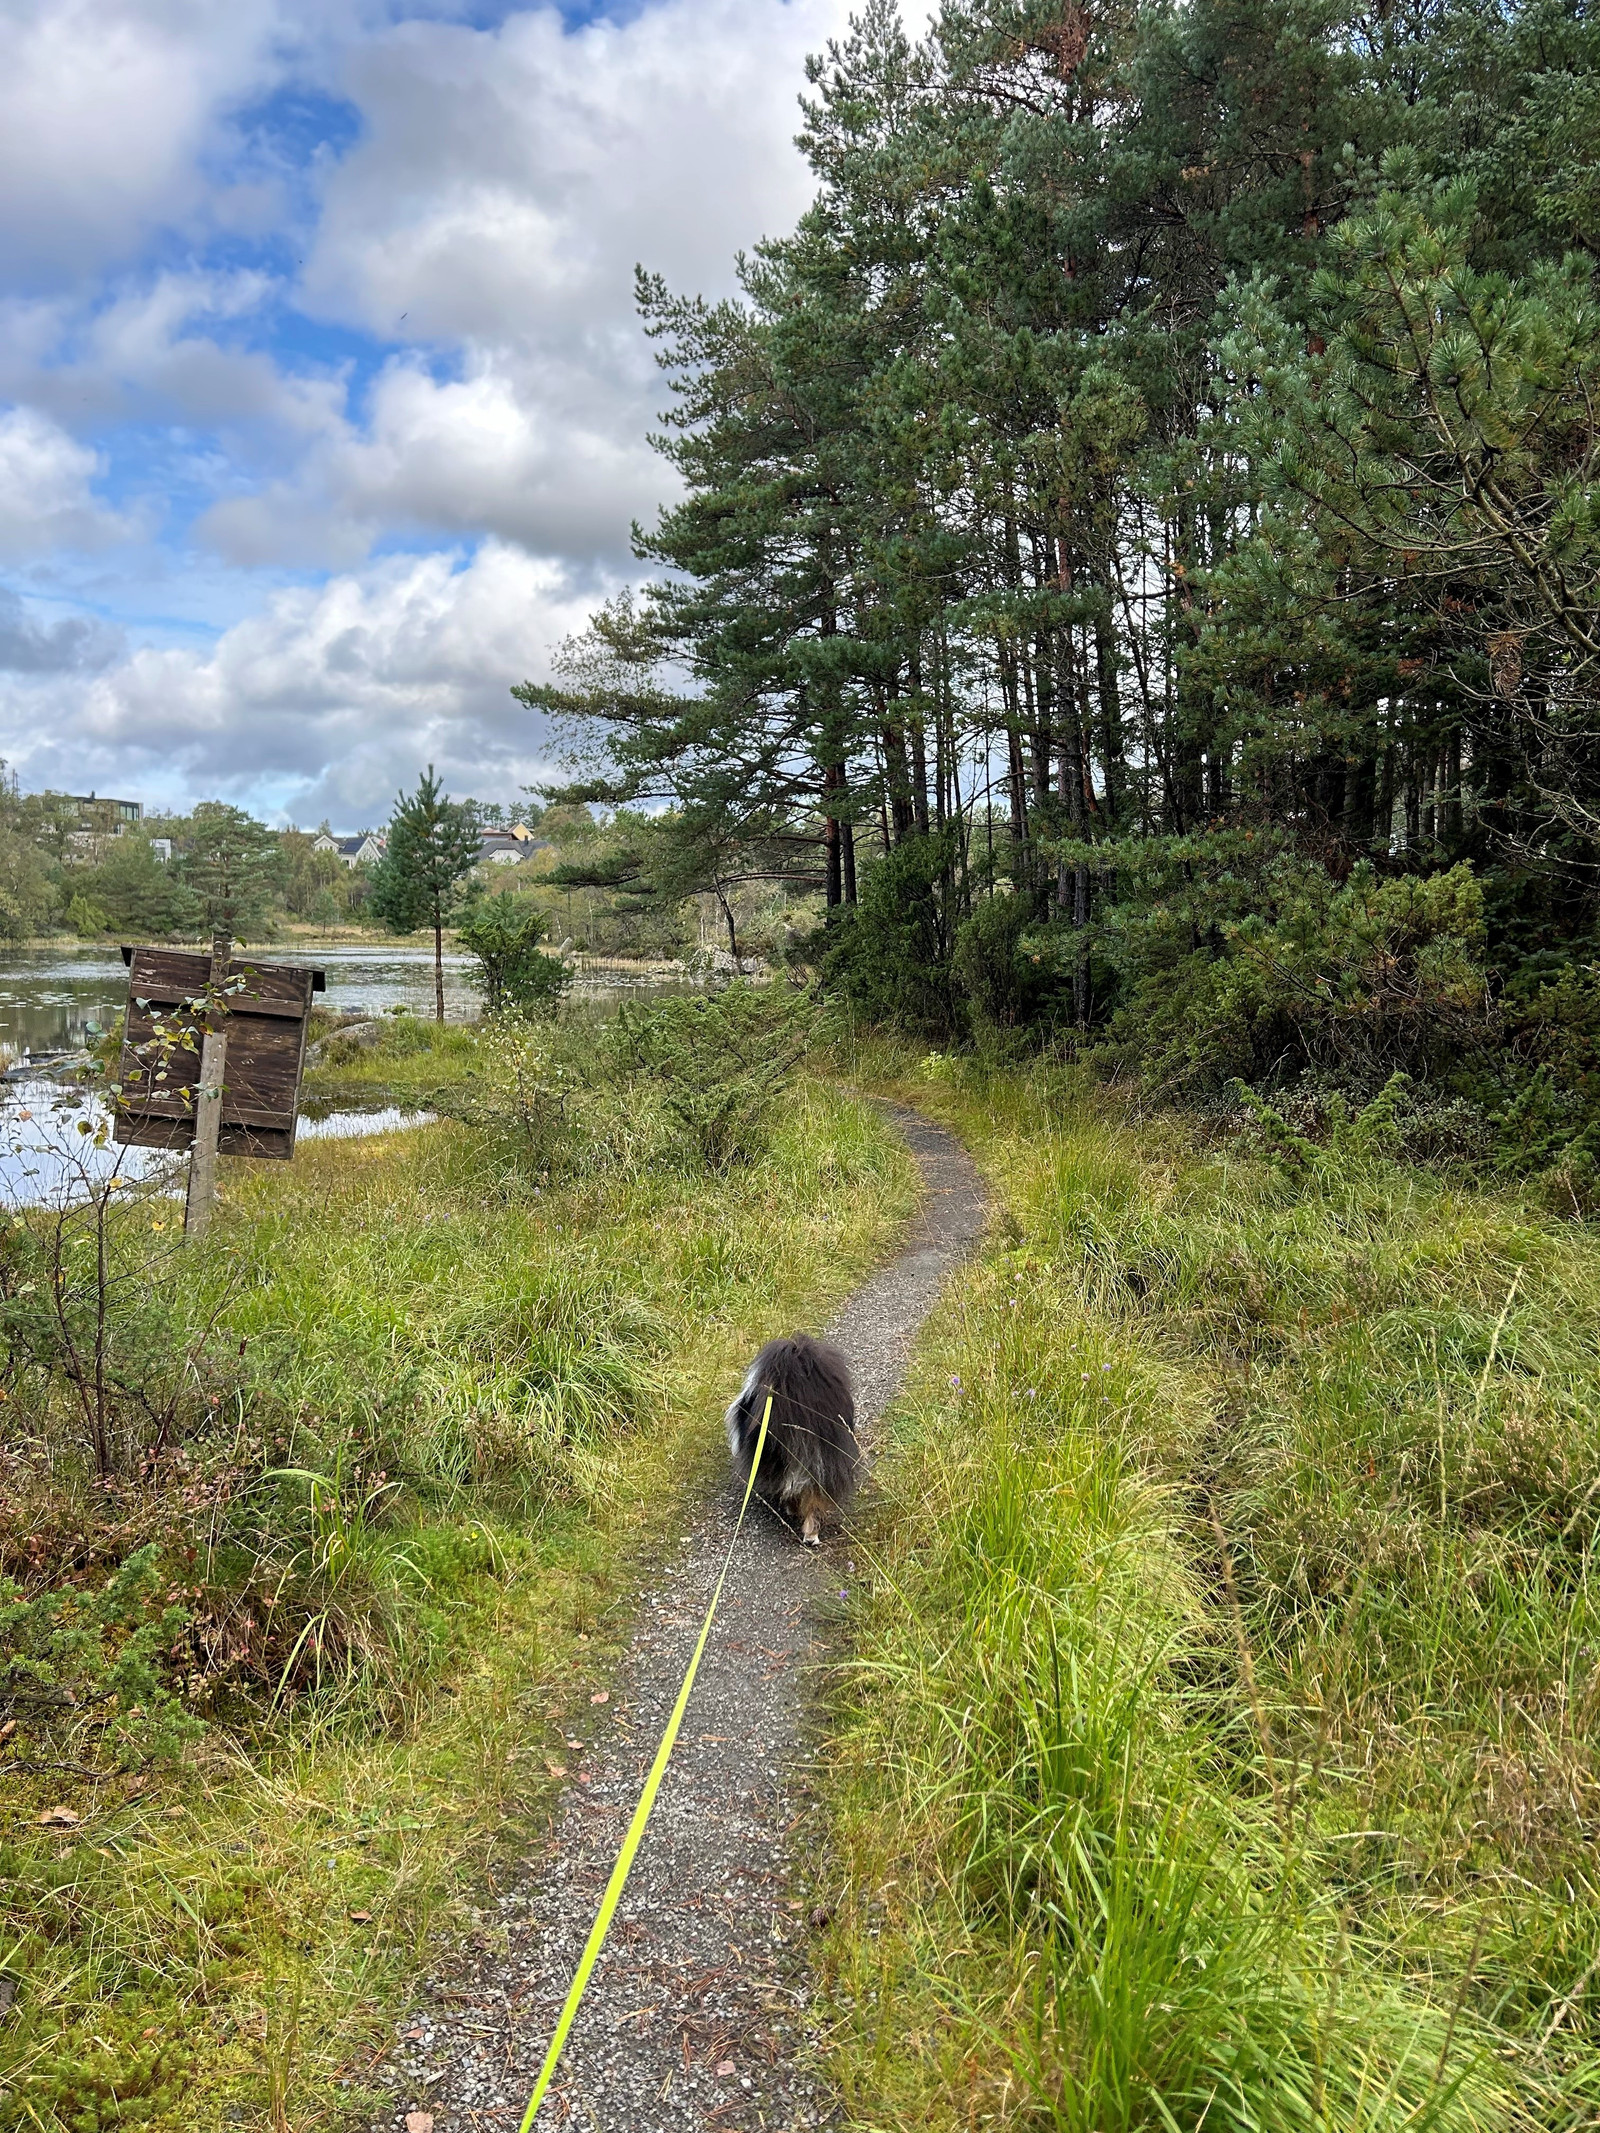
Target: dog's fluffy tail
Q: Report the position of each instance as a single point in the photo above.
(810, 1462)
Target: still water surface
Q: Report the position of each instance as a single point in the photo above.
(56, 999)
(47, 1157)
(52, 999)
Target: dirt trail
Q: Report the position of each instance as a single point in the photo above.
(696, 2015)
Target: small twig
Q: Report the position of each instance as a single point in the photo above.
(77, 1770)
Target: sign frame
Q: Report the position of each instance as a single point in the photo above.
(261, 1022)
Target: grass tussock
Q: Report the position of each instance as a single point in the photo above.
(289, 1677)
(1219, 1749)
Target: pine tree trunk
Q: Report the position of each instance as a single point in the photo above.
(902, 815)
(733, 932)
(832, 778)
(1113, 760)
(438, 968)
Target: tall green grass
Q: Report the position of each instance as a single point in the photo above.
(466, 1414)
(1218, 1748)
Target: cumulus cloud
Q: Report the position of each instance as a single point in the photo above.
(106, 107)
(327, 700)
(462, 456)
(509, 178)
(46, 503)
(279, 351)
(506, 184)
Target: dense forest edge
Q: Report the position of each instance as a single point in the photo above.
(1137, 559)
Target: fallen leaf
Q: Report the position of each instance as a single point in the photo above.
(601, 1696)
(361, 1918)
(59, 1818)
(8, 1729)
(556, 1770)
(725, 2068)
(419, 2122)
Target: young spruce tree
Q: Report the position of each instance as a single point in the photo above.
(432, 847)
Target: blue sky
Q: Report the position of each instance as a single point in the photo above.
(322, 404)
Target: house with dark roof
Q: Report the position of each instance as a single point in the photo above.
(508, 848)
(364, 849)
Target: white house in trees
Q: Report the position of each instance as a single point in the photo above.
(507, 848)
(363, 850)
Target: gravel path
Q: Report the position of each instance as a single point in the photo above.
(696, 2015)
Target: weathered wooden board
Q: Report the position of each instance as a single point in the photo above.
(265, 1026)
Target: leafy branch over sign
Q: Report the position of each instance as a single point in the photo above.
(173, 1034)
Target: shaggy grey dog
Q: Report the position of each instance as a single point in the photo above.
(810, 1460)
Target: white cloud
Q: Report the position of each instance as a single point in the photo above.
(152, 351)
(32, 644)
(482, 231)
(326, 701)
(463, 456)
(45, 499)
(509, 179)
(506, 185)
(105, 109)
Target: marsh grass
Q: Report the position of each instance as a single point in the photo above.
(1219, 1746)
(415, 1061)
(472, 1412)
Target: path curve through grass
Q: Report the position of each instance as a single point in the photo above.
(697, 2013)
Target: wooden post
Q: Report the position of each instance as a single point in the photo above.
(202, 1194)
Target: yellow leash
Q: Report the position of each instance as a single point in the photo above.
(641, 1815)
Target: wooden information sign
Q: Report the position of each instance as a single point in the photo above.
(264, 1029)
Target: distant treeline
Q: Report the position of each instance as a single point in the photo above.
(1139, 558)
(71, 867)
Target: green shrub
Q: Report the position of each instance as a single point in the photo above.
(1003, 972)
(96, 1658)
(96, 1357)
(892, 954)
(721, 1061)
(502, 933)
(1352, 982)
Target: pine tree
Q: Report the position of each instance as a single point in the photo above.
(432, 846)
(232, 865)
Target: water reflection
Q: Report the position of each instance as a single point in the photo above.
(48, 1151)
(351, 1125)
(48, 1154)
(56, 999)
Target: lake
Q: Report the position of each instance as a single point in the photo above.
(56, 999)
(53, 999)
(46, 1157)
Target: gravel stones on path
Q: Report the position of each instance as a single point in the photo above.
(697, 2013)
